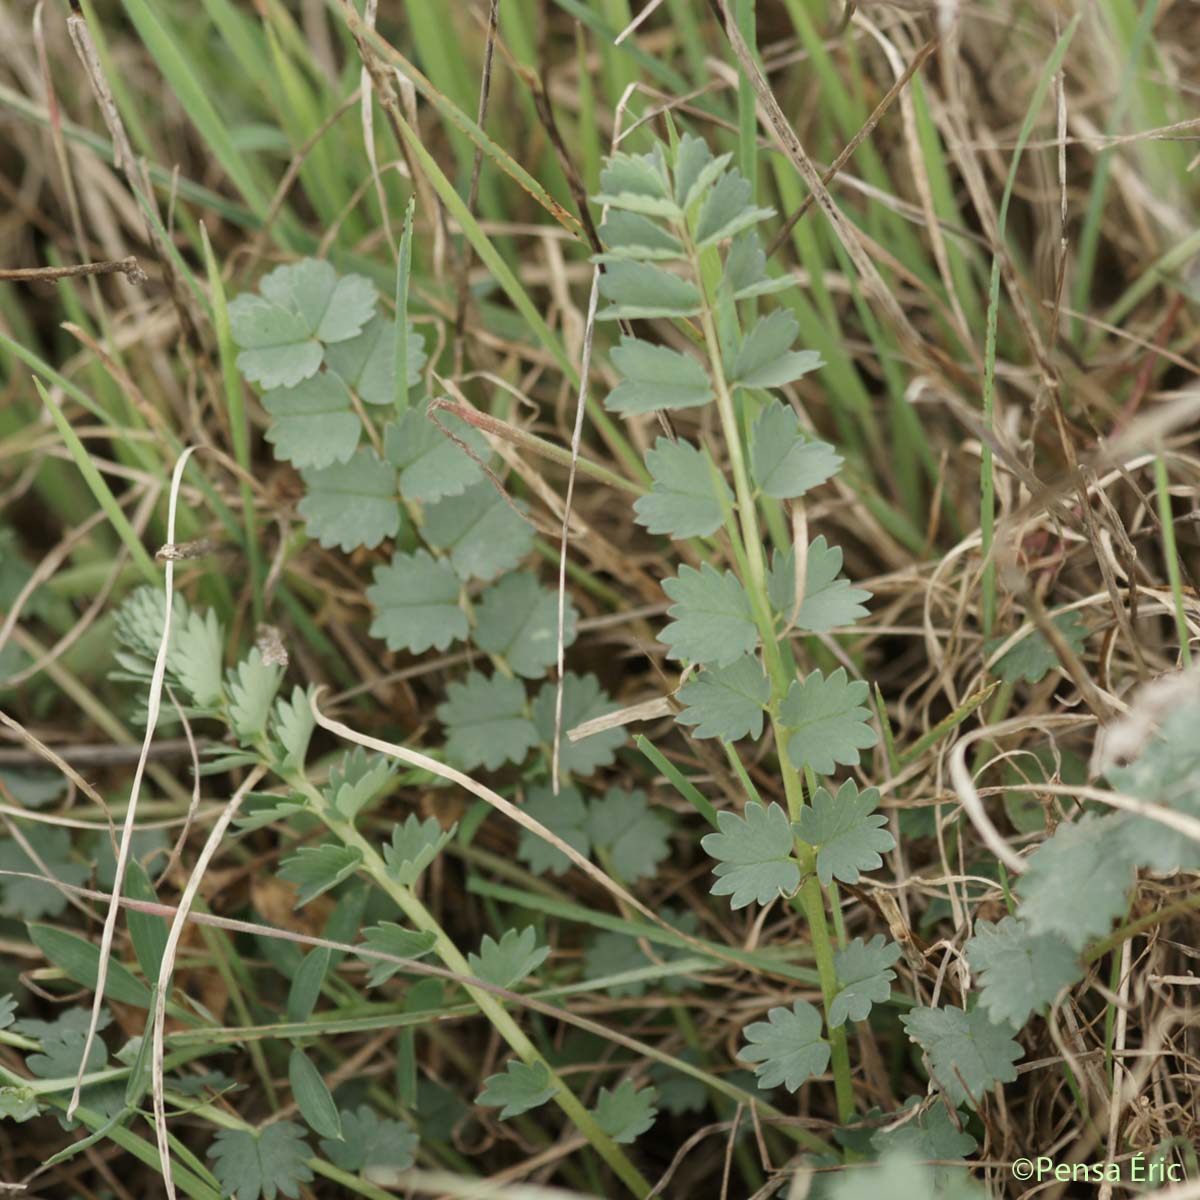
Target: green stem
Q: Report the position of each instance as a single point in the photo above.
(502, 1021)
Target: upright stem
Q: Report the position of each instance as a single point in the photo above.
(811, 898)
(491, 1008)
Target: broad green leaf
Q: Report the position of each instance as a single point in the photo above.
(517, 619)
(968, 1055)
(845, 831)
(566, 816)
(829, 601)
(765, 358)
(376, 1147)
(1077, 882)
(302, 306)
(313, 423)
(32, 788)
(754, 855)
(25, 899)
(640, 291)
(305, 988)
(414, 845)
(315, 869)
(482, 533)
(863, 978)
(520, 1089)
(356, 780)
(713, 622)
(197, 651)
(655, 377)
(827, 721)
(786, 461)
(746, 270)
(583, 700)
(686, 500)
(351, 504)
(415, 597)
(932, 1135)
(367, 363)
(62, 1041)
(334, 309)
(8, 1008)
(633, 236)
(431, 465)
(18, 1103)
(485, 721)
(507, 962)
(1020, 972)
(312, 1096)
(80, 961)
(269, 1162)
(252, 685)
(292, 725)
(626, 1112)
(695, 169)
(1032, 658)
(726, 702)
(727, 210)
(637, 837)
(787, 1048)
(389, 938)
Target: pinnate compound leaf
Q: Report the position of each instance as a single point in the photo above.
(863, 977)
(517, 618)
(845, 831)
(566, 816)
(640, 291)
(414, 845)
(312, 1096)
(626, 1112)
(374, 1146)
(269, 1162)
(787, 1047)
(315, 869)
(786, 461)
(686, 499)
(415, 597)
(829, 600)
(753, 853)
(656, 377)
(583, 700)
(635, 835)
(313, 423)
(765, 358)
(967, 1054)
(367, 363)
(485, 721)
(727, 210)
(482, 533)
(1077, 881)
(1020, 972)
(432, 466)
(827, 720)
(389, 938)
(506, 962)
(1033, 658)
(252, 686)
(356, 780)
(351, 504)
(713, 621)
(520, 1089)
